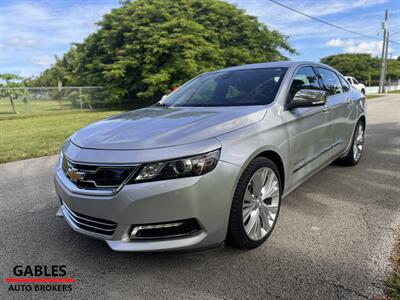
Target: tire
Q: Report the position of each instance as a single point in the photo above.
(357, 147)
(252, 203)
(363, 92)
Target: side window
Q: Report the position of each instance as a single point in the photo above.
(331, 81)
(305, 78)
(345, 84)
(355, 81)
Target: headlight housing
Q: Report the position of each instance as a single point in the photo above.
(178, 168)
(60, 160)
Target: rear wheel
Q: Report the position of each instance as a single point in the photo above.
(255, 205)
(357, 147)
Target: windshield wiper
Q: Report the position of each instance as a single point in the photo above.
(196, 105)
(161, 104)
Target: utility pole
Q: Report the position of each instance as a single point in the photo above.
(386, 59)
(384, 54)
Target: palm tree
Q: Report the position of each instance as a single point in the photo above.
(8, 79)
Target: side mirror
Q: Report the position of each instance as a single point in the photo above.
(306, 97)
(163, 97)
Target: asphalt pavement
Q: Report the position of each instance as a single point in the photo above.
(333, 239)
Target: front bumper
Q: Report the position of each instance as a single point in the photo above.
(207, 199)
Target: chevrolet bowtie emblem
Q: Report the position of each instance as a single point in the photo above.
(75, 175)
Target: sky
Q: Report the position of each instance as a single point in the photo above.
(32, 32)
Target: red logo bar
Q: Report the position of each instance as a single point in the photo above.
(39, 280)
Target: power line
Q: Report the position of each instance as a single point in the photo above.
(327, 23)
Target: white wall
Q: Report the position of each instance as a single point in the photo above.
(375, 89)
(371, 89)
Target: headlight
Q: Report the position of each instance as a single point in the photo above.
(177, 168)
(60, 160)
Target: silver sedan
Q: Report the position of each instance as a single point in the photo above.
(211, 161)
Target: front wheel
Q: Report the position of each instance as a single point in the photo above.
(357, 147)
(255, 205)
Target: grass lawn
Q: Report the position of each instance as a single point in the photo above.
(32, 107)
(29, 136)
(373, 96)
(394, 92)
(393, 282)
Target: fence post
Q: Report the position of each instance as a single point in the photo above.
(80, 98)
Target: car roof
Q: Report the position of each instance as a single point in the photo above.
(276, 64)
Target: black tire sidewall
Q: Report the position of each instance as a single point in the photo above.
(351, 153)
(236, 232)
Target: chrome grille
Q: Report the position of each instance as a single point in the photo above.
(91, 224)
(87, 176)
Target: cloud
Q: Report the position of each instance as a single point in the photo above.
(352, 46)
(298, 26)
(18, 42)
(43, 60)
(329, 7)
(36, 20)
(310, 37)
(32, 32)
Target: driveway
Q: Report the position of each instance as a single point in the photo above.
(332, 240)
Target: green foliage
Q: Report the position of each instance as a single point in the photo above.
(362, 66)
(146, 47)
(392, 282)
(8, 78)
(393, 70)
(12, 81)
(60, 71)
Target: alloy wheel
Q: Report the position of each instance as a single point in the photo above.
(260, 203)
(358, 144)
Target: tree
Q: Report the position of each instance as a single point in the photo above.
(362, 66)
(58, 72)
(146, 47)
(12, 81)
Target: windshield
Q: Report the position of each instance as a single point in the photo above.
(229, 88)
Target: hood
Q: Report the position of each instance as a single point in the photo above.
(157, 127)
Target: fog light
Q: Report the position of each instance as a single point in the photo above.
(172, 229)
(136, 230)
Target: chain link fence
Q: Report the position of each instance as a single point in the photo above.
(42, 100)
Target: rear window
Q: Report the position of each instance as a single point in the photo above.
(331, 81)
(345, 84)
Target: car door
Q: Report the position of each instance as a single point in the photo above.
(348, 127)
(309, 128)
(340, 105)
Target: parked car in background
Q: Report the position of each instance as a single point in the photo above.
(357, 85)
(212, 160)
